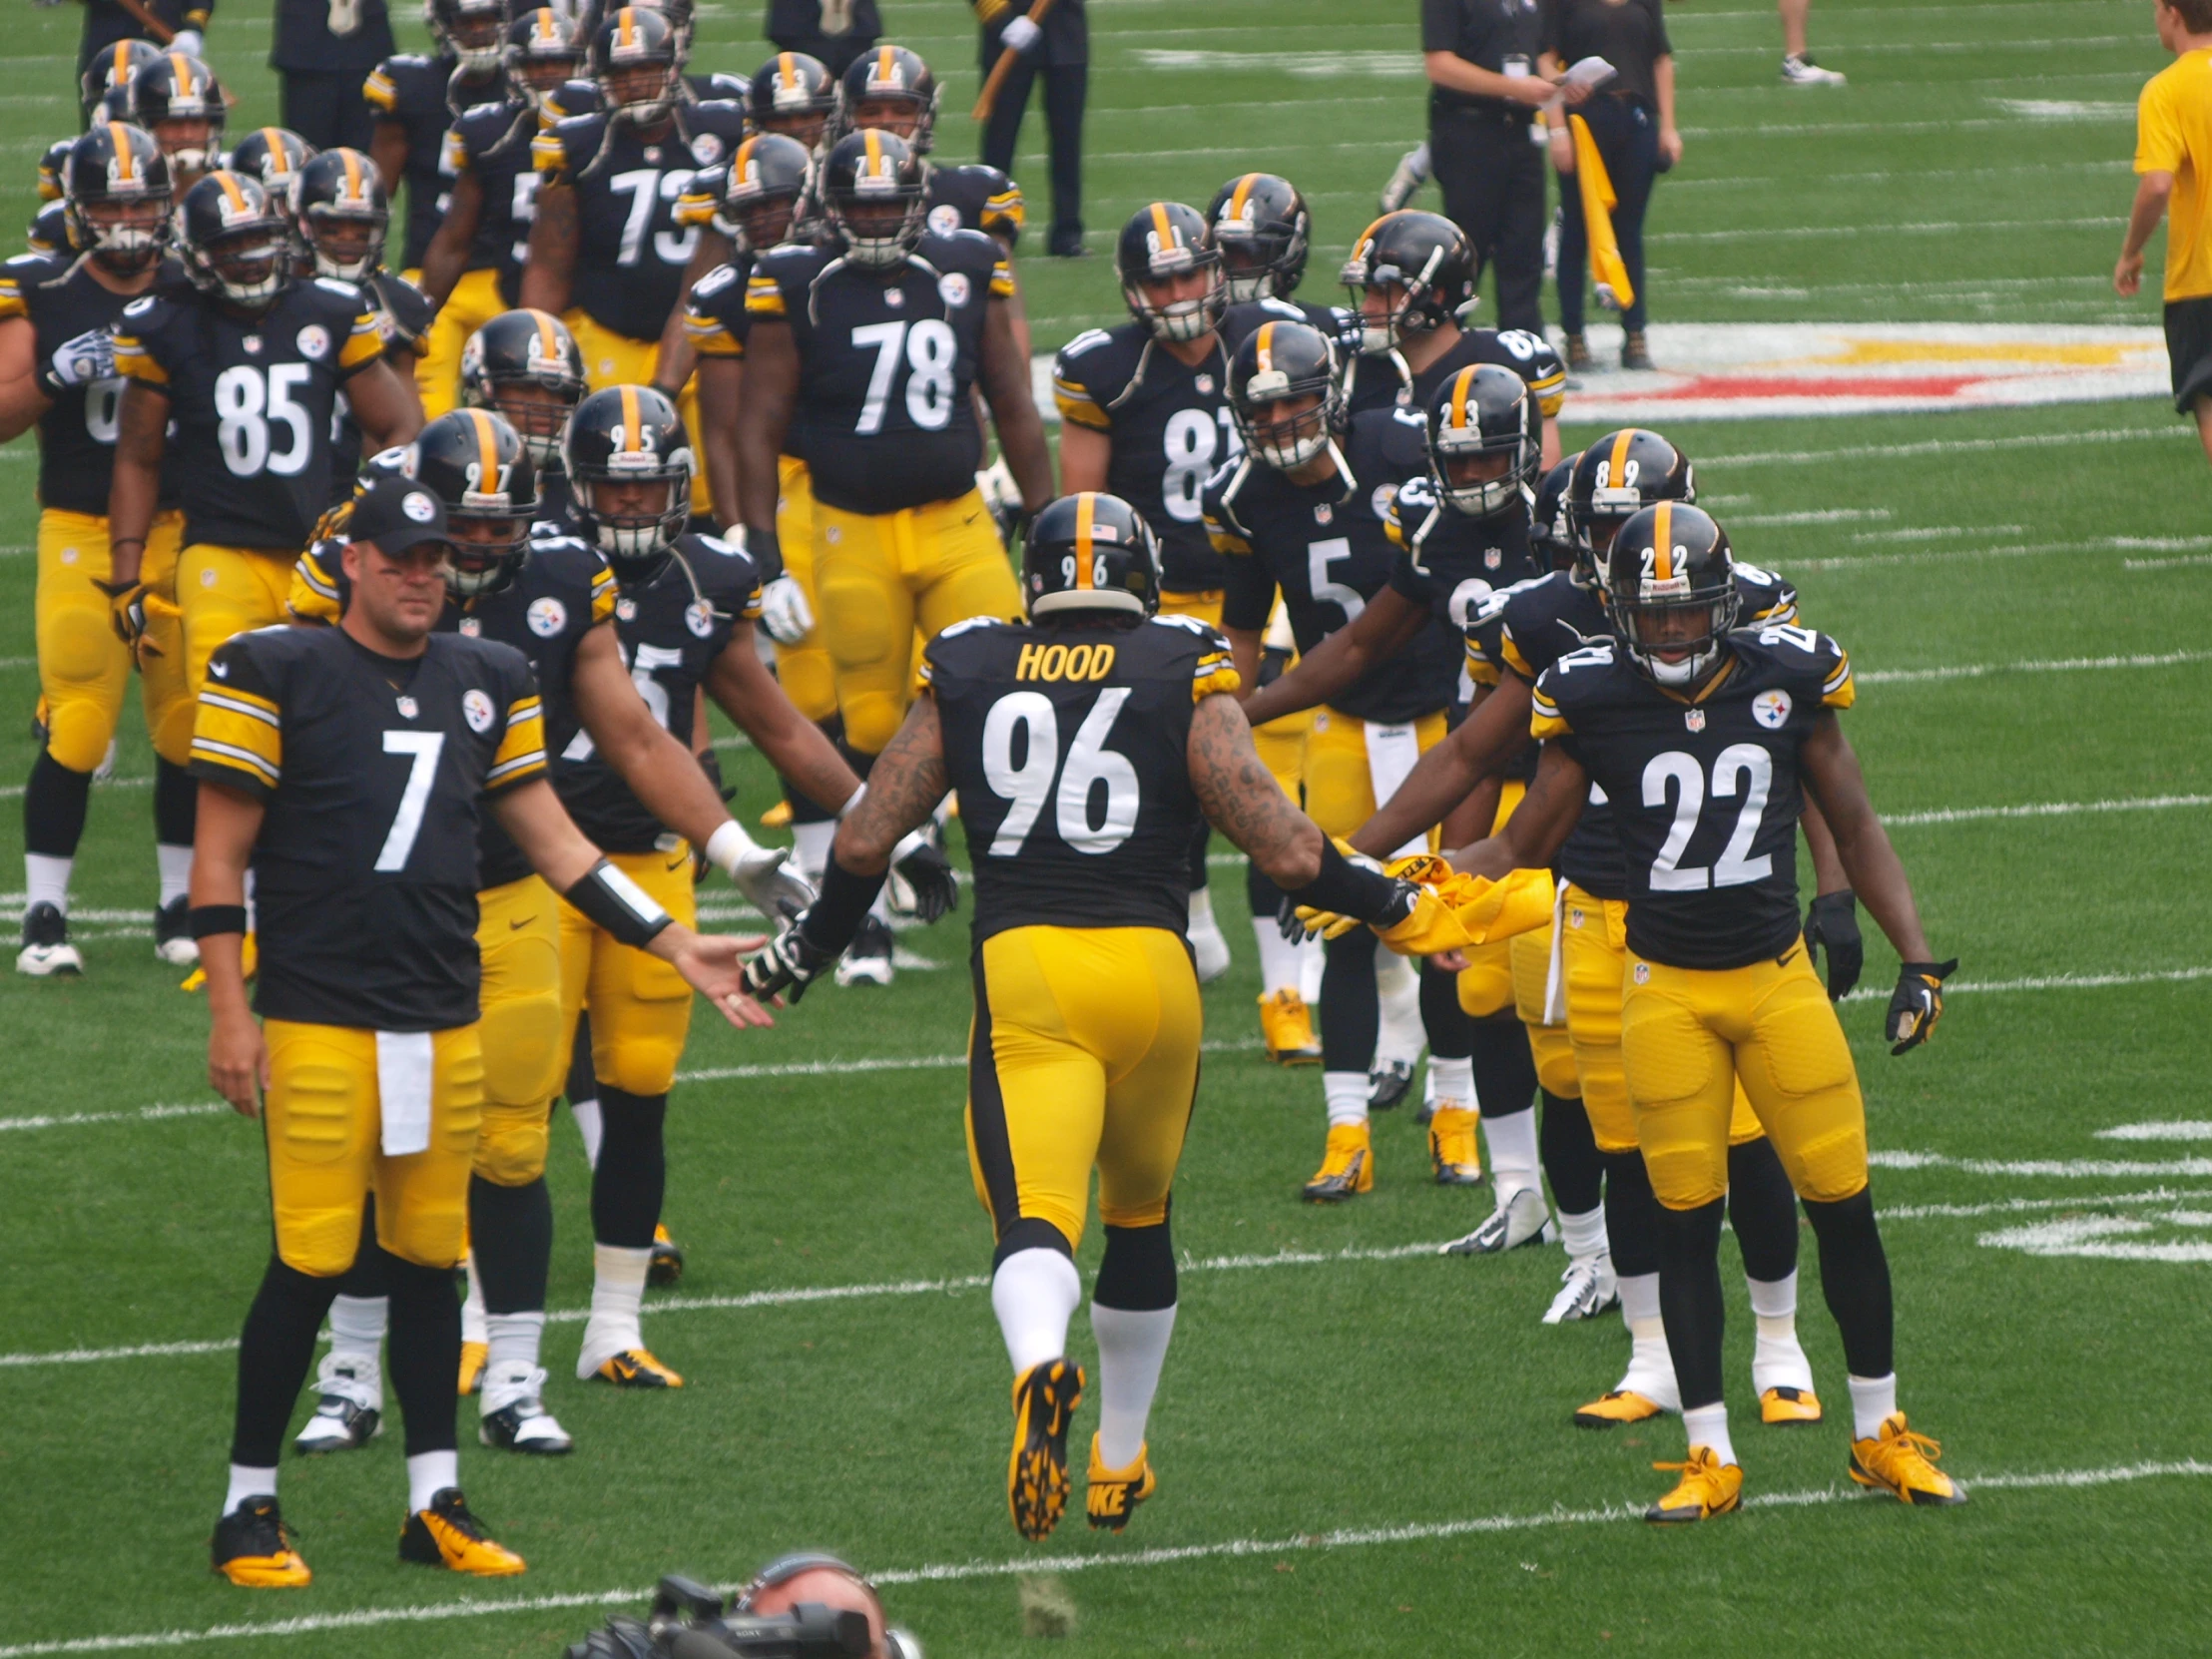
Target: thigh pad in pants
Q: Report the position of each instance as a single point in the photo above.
(640, 1006)
(518, 936)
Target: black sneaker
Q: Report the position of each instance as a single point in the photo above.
(252, 1547)
(868, 960)
(173, 940)
(46, 948)
(1390, 1084)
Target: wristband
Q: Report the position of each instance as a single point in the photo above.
(766, 552)
(839, 910)
(728, 845)
(615, 902)
(1345, 888)
(852, 801)
(207, 921)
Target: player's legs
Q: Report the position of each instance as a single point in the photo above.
(1391, 751)
(867, 616)
(474, 302)
(1286, 1025)
(1205, 935)
(1340, 797)
(168, 704)
(1568, 1150)
(223, 592)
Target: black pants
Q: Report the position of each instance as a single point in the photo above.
(1493, 184)
(1628, 138)
(328, 109)
(1065, 88)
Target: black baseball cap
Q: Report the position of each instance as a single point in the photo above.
(397, 513)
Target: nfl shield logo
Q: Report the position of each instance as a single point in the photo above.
(408, 708)
(1694, 718)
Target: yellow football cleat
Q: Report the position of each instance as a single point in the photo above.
(634, 1368)
(667, 1266)
(1453, 1152)
(1903, 1463)
(1112, 1495)
(1788, 1407)
(777, 816)
(1045, 1399)
(475, 1357)
(447, 1535)
(1347, 1165)
(1287, 1027)
(1708, 1487)
(1619, 1407)
(253, 1548)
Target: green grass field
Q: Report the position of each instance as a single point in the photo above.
(1362, 1449)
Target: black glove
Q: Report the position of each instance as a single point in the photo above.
(929, 877)
(1288, 922)
(1916, 1005)
(126, 609)
(1833, 920)
(787, 965)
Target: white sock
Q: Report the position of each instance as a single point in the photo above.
(1310, 962)
(472, 1305)
(248, 1481)
(1131, 1346)
(1583, 1235)
(1512, 1141)
(617, 1293)
(1650, 1365)
(590, 1125)
(357, 1328)
(1202, 908)
(1035, 1293)
(45, 880)
(1777, 1361)
(1398, 986)
(810, 848)
(1453, 1080)
(1346, 1094)
(513, 1337)
(1707, 1425)
(1873, 1400)
(429, 1474)
(882, 908)
(174, 862)
(1278, 959)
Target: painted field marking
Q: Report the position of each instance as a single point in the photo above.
(2166, 564)
(2109, 1238)
(2186, 1130)
(2051, 808)
(2055, 664)
(1939, 532)
(2048, 1169)
(2013, 550)
(1815, 515)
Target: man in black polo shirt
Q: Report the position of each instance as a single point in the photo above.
(835, 31)
(1484, 91)
(325, 50)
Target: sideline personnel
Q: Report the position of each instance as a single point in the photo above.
(1059, 48)
(1484, 91)
(2173, 139)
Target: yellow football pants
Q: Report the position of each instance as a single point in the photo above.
(225, 592)
(1550, 1045)
(1339, 789)
(83, 670)
(518, 936)
(1486, 983)
(878, 577)
(473, 303)
(805, 670)
(1593, 961)
(1689, 1037)
(323, 1123)
(1083, 1054)
(612, 359)
(640, 1006)
(1200, 604)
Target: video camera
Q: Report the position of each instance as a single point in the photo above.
(687, 1622)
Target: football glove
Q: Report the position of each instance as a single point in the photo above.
(1020, 35)
(1916, 1005)
(787, 965)
(126, 609)
(88, 357)
(931, 886)
(1833, 921)
(784, 612)
(760, 874)
(1455, 911)
(1298, 922)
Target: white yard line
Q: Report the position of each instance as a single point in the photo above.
(2064, 1169)
(1942, 446)
(2051, 808)
(2189, 1130)
(2053, 665)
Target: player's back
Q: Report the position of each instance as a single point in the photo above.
(1067, 748)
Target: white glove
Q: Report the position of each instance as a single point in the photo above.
(80, 362)
(784, 612)
(188, 41)
(1000, 493)
(1021, 34)
(759, 872)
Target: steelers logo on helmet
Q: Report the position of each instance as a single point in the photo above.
(1671, 593)
(1170, 271)
(1262, 229)
(1285, 394)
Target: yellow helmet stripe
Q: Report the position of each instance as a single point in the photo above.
(1160, 226)
(1086, 504)
(487, 450)
(1236, 196)
(884, 63)
(124, 161)
(874, 149)
(1461, 384)
(354, 190)
(230, 188)
(787, 72)
(627, 21)
(631, 421)
(181, 67)
(1263, 348)
(1662, 536)
(546, 343)
(1619, 457)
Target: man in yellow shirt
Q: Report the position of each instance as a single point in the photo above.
(2173, 155)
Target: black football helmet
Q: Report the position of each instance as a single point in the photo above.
(623, 436)
(1090, 552)
(1614, 479)
(1262, 228)
(234, 242)
(477, 464)
(1670, 588)
(1161, 242)
(274, 155)
(891, 88)
(116, 197)
(637, 65)
(49, 230)
(542, 52)
(341, 210)
(1550, 536)
(520, 349)
(50, 165)
(871, 193)
(177, 98)
(468, 30)
(1484, 410)
(793, 93)
(113, 68)
(1278, 361)
(767, 179)
(1422, 256)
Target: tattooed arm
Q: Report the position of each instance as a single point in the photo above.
(904, 788)
(1242, 799)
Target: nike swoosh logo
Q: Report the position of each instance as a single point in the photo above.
(679, 864)
(221, 671)
(1784, 959)
(513, 927)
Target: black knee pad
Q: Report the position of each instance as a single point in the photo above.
(632, 1174)
(1138, 1271)
(1450, 1029)
(1763, 1210)
(1029, 1233)
(1350, 1018)
(1504, 1070)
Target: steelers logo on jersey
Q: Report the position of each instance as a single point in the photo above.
(1771, 708)
(314, 342)
(547, 616)
(953, 286)
(706, 149)
(945, 219)
(477, 708)
(1381, 500)
(699, 617)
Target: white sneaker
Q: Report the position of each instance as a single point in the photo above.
(1804, 72)
(351, 1410)
(173, 940)
(868, 960)
(1208, 949)
(515, 1418)
(46, 948)
(1520, 1220)
(1586, 1289)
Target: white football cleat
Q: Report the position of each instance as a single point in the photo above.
(1804, 72)
(1522, 1219)
(515, 1418)
(351, 1411)
(1586, 1289)
(46, 948)
(868, 960)
(1208, 949)
(173, 940)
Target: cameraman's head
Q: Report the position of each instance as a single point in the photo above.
(790, 1580)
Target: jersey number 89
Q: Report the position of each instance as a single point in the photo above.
(249, 400)
(1091, 767)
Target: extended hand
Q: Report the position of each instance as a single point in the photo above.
(237, 1062)
(1916, 1005)
(930, 877)
(775, 889)
(76, 363)
(789, 964)
(714, 965)
(784, 612)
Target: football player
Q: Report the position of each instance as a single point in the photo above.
(524, 365)
(472, 268)
(106, 83)
(1293, 515)
(177, 98)
(1087, 1015)
(794, 94)
(416, 97)
(864, 357)
(1265, 232)
(353, 767)
(1705, 738)
(1144, 413)
(48, 232)
(1411, 277)
(58, 373)
(274, 155)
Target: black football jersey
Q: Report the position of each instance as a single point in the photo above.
(1326, 549)
(1067, 747)
(975, 197)
(715, 317)
(1705, 792)
(630, 249)
(410, 89)
(492, 141)
(1332, 322)
(1171, 429)
(1377, 383)
(1450, 563)
(252, 404)
(887, 361)
(373, 775)
(672, 629)
(404, 318)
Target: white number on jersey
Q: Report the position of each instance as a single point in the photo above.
(1320, 556)
(1192, 440)
(653, 694)
(104, 409)
(645, 186)
(1739, 764)
(422, 772)
(248, 400)
(929, 354)
(1090, 765)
